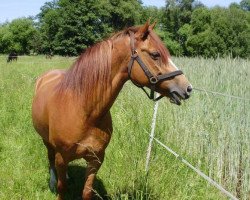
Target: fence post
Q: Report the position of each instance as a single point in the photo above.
(152, 134)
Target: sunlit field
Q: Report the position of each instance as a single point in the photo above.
(211, 131)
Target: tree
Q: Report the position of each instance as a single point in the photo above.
(234, 5)
(49, 23)
(245, 5)
(175, 21)
(124, 13)
(69, 26)
(232, 25)
(218, 31)
(206, 43)
(23, 33)
(6, 39)
(201, 20)
(153, 13)
(18, 36)
(178, 13)
(173, 46)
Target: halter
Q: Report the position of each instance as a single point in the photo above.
(153, 80)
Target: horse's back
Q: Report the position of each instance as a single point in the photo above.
(49, 78)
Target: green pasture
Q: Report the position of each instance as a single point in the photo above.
(210, 131)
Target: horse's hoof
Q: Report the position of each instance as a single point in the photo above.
(53, 181)
(52, 187)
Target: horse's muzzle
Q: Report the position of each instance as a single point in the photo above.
(176, 95)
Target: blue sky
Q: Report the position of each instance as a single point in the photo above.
(11, 9)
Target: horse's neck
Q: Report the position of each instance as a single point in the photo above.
(119, 75)
(106, 101)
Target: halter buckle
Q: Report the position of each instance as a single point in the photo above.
(153, 80)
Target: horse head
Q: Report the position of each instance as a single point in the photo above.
(151, 66)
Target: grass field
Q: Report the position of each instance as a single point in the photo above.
(210, 131)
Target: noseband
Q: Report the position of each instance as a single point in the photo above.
(153, 80)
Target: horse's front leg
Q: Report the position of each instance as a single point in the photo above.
(94, 163)
(52, 169)
(61, 169)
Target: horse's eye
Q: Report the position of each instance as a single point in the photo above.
(155, 55)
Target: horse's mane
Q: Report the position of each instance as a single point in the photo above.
(165, 55)
(90, 75)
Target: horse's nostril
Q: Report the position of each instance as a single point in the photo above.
(189, 89)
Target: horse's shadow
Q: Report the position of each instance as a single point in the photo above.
(76, 182)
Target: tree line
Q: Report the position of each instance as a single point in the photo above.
(187, 27)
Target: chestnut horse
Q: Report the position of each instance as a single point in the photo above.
(71, 108)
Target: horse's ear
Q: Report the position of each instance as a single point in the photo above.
(152, 26)
(143, 31)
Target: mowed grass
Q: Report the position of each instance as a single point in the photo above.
(212, 132)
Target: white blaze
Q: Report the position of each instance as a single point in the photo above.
(171, 62)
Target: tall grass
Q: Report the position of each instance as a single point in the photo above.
(212, 132)
(215, 129)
